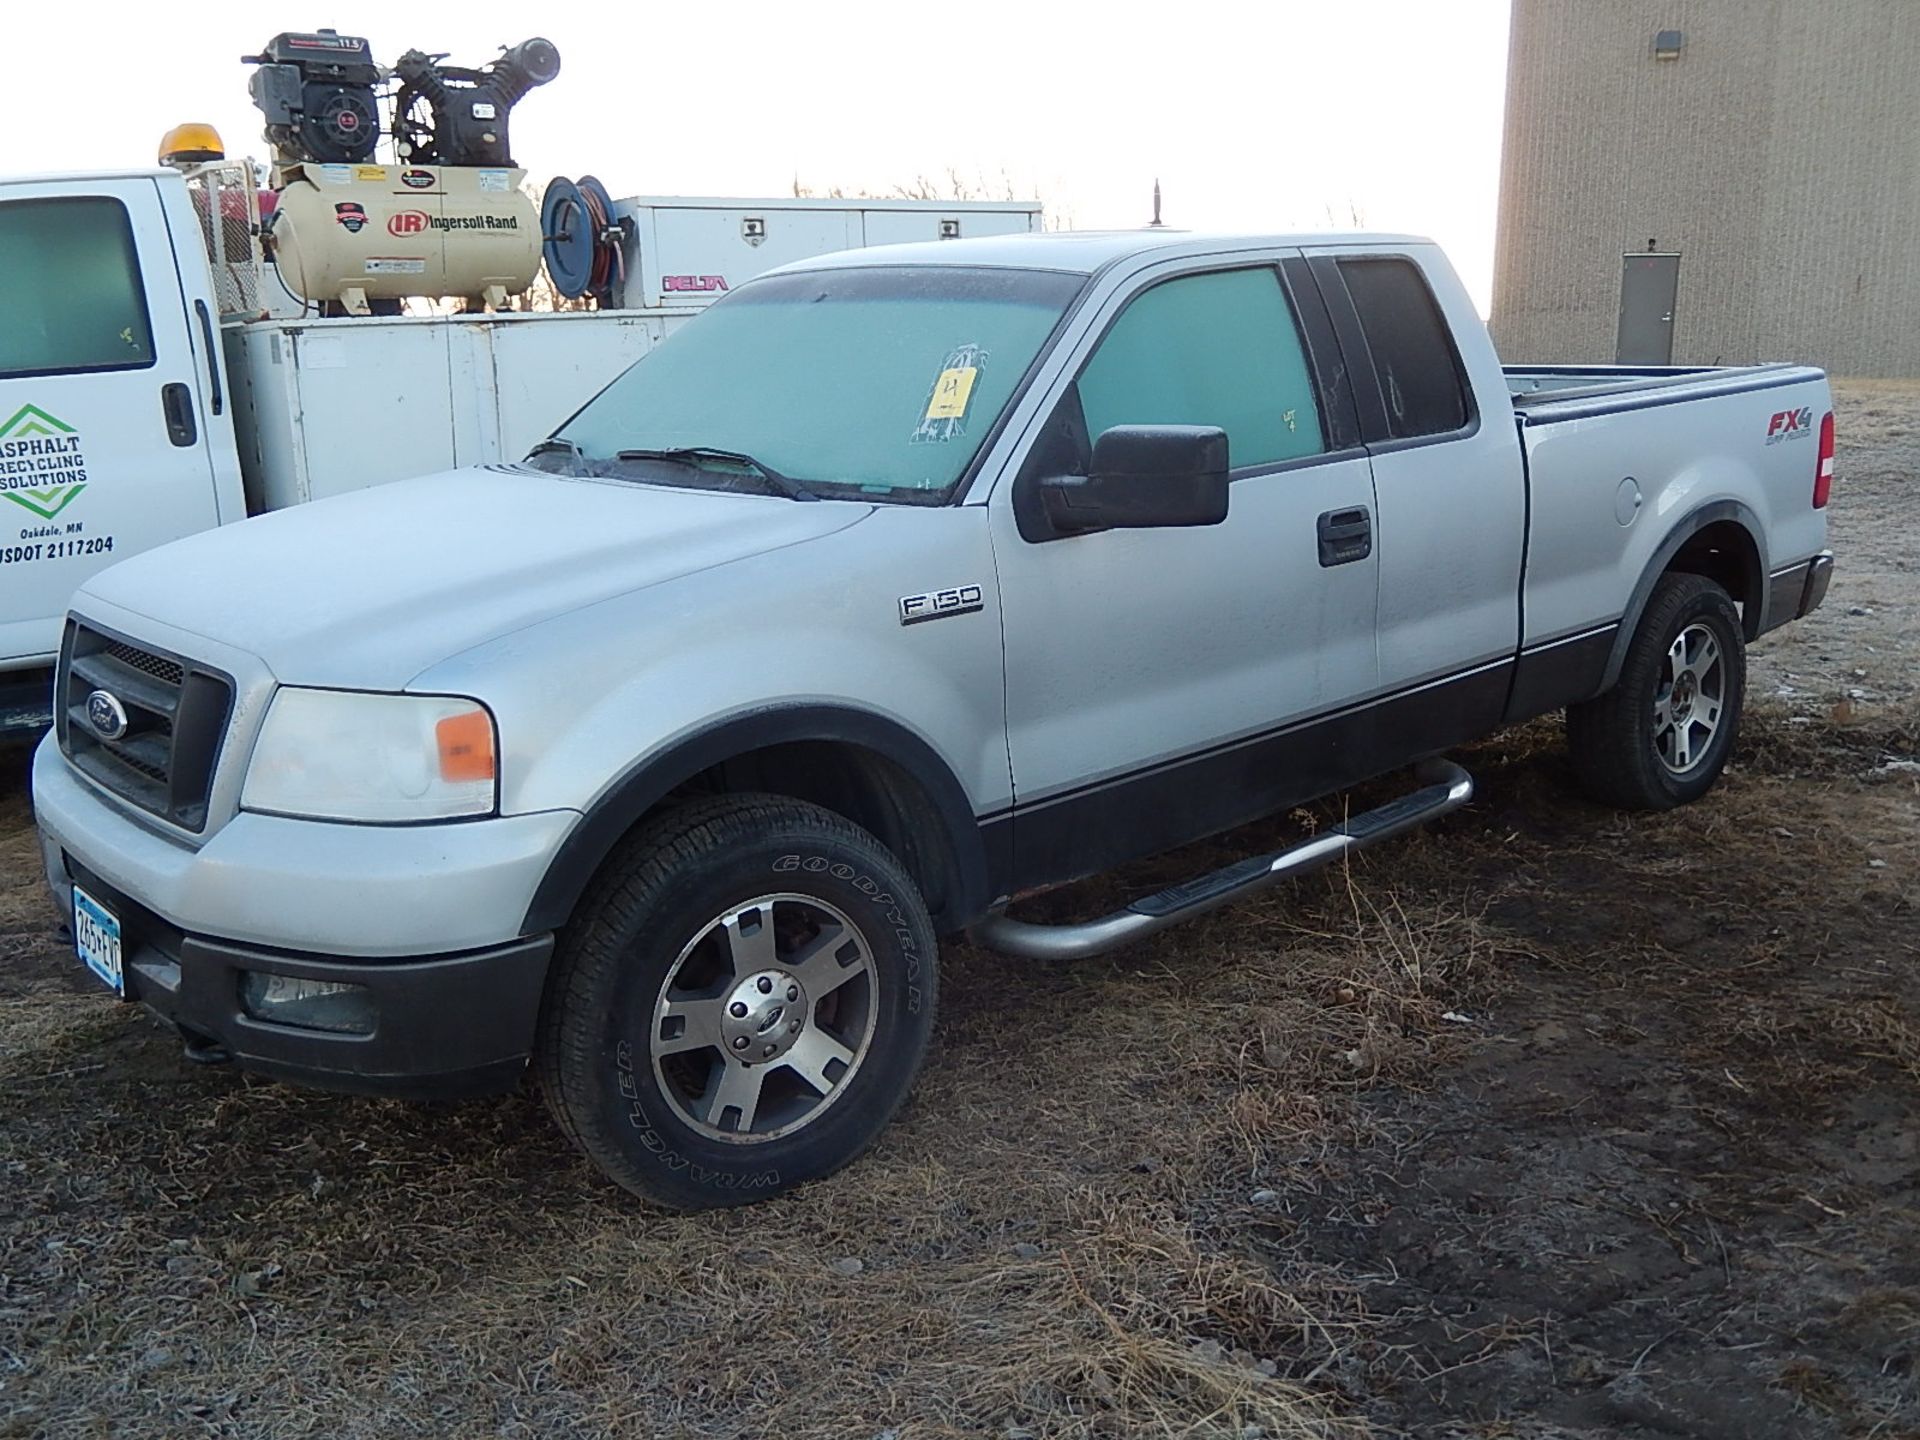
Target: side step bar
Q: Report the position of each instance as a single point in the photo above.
(1446, 787)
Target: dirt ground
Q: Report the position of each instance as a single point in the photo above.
(1548, 1122)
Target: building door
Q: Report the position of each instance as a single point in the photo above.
(1648, 285)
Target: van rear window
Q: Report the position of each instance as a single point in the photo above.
(70, 290)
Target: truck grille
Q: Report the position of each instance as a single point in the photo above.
(176, 714)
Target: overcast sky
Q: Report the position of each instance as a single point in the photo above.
(1285, 115)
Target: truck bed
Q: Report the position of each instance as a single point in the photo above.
(1616, 455)
(1543, 394)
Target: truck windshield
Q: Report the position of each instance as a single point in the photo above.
(875, 382)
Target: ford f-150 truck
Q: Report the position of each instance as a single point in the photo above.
(897, 585)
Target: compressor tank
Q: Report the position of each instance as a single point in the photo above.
(355, 233)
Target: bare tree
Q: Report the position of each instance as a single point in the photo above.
(954, 186)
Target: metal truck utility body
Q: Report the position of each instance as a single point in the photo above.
(1406, 547)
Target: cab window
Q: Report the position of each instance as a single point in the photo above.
(70, 288)
(1219, 349)
(1420, 379)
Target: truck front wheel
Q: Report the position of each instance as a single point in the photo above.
(740, 1004)
(1661, 736)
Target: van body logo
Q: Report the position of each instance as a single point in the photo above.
(352, 216)
(1790, 425)
(417, 179)
(700, 284)
(408, 222)
(938, 604)
(42, 467)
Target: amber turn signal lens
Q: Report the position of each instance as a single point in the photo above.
(466, 746)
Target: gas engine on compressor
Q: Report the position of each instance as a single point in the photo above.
(445, 217)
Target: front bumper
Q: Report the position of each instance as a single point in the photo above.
(372, 891)
(426, 918)
(441, 1025)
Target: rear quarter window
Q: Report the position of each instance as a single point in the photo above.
(1421, 382)
(70, 294)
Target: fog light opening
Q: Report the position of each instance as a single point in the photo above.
(329, 1005)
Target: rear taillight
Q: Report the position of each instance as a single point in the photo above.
(1823, 477)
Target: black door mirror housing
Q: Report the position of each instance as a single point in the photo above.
(1144, 477)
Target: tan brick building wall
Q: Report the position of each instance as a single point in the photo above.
(1779, 155)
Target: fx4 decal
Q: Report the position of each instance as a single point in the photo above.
(1790, 425)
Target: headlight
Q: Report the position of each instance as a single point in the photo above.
(341, 755)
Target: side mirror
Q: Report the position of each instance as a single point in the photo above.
(1144, 476)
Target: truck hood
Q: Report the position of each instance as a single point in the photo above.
(364, 591)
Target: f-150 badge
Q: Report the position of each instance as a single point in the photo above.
(937, 604)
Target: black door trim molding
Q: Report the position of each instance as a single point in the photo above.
(1092, 827)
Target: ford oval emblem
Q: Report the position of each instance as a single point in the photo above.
(106, 715)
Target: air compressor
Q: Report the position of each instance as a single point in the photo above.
(446, 217)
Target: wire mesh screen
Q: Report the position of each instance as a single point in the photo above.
(228, 205)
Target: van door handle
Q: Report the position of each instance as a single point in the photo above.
(176, 403)
(1345, 536)
(213, 356)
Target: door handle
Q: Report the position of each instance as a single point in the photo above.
(213, 356)
(1345, 536)
(176, 403)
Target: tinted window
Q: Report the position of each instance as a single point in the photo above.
(70, 295)
(1209, 350)
(1412, 352)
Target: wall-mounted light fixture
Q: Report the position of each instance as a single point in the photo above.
(1667, 44)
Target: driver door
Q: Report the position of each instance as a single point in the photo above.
(1163, 684)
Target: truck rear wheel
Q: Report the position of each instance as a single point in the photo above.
(740, 1003)
(1661, 736)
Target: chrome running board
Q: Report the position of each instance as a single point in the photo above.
(1447, 787)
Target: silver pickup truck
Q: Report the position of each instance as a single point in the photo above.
(899, 584)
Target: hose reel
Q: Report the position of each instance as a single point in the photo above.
(584, 245)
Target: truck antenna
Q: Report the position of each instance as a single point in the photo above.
(1157, 224)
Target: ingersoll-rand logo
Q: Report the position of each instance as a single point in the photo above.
(1790, 425)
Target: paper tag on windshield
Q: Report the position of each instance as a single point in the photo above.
(945, 415)
(951, 392)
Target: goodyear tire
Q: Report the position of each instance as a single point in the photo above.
(1661, 736)
(740, 1003)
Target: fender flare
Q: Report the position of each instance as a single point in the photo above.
(635, 792)
(1712, 513)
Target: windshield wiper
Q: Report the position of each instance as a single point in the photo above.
(557, 445)
(692, 455)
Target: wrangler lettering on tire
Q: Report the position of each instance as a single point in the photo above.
(741, 1003)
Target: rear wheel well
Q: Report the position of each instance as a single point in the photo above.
(1725, 553)
(876, 793)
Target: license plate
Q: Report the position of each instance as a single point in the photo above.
(96, 935)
